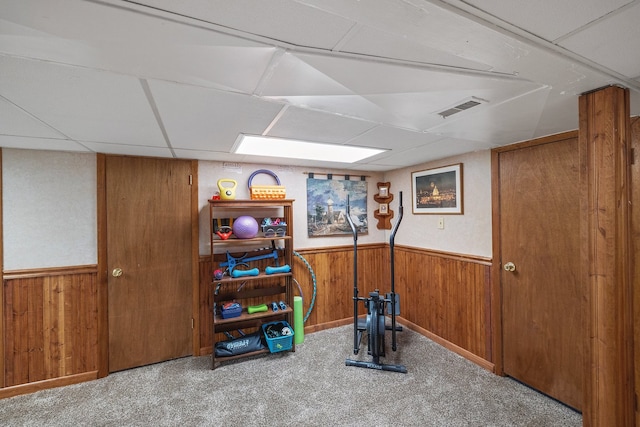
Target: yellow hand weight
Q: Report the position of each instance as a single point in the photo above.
(227, 192)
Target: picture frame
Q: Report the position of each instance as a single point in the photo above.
(327, 207)
(383, 209)
(383, 192)
(438, 190)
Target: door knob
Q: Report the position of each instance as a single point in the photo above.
(117, 272)
(511, 267)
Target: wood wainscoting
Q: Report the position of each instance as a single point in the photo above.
(445, 297)
(333, 269)
(50, 328)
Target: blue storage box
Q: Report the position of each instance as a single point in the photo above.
(279, 336)
(230, 310)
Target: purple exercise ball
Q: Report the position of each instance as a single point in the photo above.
(245, 227)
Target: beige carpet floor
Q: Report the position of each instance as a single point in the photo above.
(308, 387)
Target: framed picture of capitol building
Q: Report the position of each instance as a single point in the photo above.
(437, 191)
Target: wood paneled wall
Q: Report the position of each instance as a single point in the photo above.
(635, 249)
(449, 297)
(444, 296)
(333, 269)
(50, 324)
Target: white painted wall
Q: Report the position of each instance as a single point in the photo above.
(49, 209)
(50, 218)
(295, 181)
(468, 234)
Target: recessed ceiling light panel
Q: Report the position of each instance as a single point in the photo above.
(296, 149)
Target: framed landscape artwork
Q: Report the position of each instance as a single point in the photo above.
(327, 207)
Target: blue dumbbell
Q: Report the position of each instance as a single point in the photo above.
(244, 273)
(273, 270)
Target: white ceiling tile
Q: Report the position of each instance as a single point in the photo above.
(419, 111)
(444, 147)
(218, 67)
(206, 155)
(208, 62)
(381, 44)
(500, 124)
(376, 77)
(128, 150)
(283, 20)
(141, 44)
(394, 138)
(263, 160)
(81, 68)
(83, 104)
(353, 106)
(558, 114)
(203, 119)
(405, 97)
(93, 21)
(15, 121)
(309, 125)
(564, 75)
(548, 19)
(612, 42)
(294, 76)
(428, 25)
(30, 143)
(436, 25)
(375, 14)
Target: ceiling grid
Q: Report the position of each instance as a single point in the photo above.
(185, 79)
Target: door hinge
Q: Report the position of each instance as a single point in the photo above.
(190, 179)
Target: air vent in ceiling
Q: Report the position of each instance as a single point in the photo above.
(462, 106)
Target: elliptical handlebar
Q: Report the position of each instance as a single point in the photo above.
(354, 231)
(392, 238)
(355, 278)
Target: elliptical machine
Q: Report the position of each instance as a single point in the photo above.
(374, 324)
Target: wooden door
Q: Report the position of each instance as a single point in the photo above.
(542, 300)
(149, 239)
(635, 249)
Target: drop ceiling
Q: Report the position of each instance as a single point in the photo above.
(183, 79)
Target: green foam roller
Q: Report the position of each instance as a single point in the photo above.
(298, 320)
(257, 308)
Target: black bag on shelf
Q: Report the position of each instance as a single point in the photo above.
(243, 344)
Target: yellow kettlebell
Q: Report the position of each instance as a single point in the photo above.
(227, 192)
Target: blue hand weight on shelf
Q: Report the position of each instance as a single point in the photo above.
(272, 270)
(244, 273)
